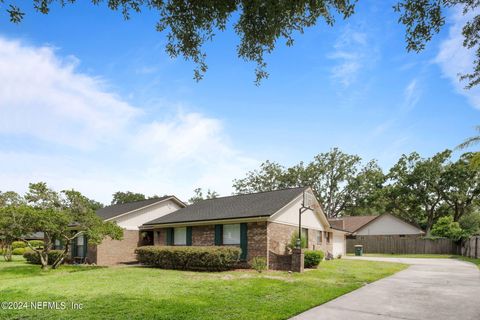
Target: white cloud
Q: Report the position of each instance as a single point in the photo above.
(411, 95)
(353, 53)
(74, 132)
(454, 59)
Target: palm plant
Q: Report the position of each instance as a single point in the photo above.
(471, 141)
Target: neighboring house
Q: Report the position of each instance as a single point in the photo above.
(382, 225)
(385, 233)
(261, 224)
(129, 216)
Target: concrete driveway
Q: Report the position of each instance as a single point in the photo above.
(437, 289)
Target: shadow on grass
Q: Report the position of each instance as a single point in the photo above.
(32, 270)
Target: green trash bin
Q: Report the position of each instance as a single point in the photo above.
(358, 250)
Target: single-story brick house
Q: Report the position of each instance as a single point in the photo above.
(130, 216)
(262, 224)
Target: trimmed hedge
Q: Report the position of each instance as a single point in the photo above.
(18, 244)
(189, 258)
(32, 257)
(18, 251)
(312, 258)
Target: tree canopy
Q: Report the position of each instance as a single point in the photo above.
(128, 196)
(340, 182)
(261, 24)
(59, 216)
(198, 195)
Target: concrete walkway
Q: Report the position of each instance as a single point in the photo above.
(437, 289)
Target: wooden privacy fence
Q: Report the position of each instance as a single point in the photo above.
(471, 247)
(403, 245)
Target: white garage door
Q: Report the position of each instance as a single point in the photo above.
(339, 245)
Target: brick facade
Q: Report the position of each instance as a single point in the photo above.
(265, 239)
(203, 235)
(111, 252)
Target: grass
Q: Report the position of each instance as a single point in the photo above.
(472, 260)
(428, 256)
(148, 293)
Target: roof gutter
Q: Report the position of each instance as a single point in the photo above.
(203, 222)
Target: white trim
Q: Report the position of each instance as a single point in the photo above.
(320, 215)
(295, 225)
(147, 206)
(204, 222)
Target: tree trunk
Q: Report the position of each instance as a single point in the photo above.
(60, 259)
(7, 252)
(44, 259)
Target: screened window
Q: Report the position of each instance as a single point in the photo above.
(81, 246)
(231, 234)
(319, 236)
(180, 236)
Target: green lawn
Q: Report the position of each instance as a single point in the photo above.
(437, 256)
(387, 255)
(148, 293)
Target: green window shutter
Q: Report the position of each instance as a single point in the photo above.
(243, 240)
(169, 236)
(73, 245)
(85, 246)
(189, 236)
(218, 234)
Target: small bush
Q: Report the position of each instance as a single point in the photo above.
(312, 258)
(259, 264)
(339, 256)
(18, 244)
(32, 256)
(189, 258)
(36, 243)
(293, 241)
(18, 251)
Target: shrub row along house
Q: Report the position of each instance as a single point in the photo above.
(261, 224)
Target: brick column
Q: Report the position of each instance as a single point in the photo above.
(297, 260)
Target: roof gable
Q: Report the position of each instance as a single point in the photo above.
(351, 223)
(116, 210)
(251, 205)
(399, 226)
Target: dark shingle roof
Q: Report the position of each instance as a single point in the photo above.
(351, 224)
(239, 206)
(118, 209)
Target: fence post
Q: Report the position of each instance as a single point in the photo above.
(476, 247)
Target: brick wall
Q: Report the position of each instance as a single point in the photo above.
(257, 240)
(111, 252)
(203, 235)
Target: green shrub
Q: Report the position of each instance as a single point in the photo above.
(312, 258)
(293, 241)
(189, 258)
(32, 257)
(18, 244)
(18, 251)
(36, 243)
(259, 264)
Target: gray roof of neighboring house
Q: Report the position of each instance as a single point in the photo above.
(118, 209)
(239, 206)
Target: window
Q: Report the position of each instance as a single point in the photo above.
(327, 236)
(58, 245)
(305, 235)
(180, 236)
(81, 246)
(319, 236)
(231, 234)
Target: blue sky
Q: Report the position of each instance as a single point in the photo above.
(91, 102)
